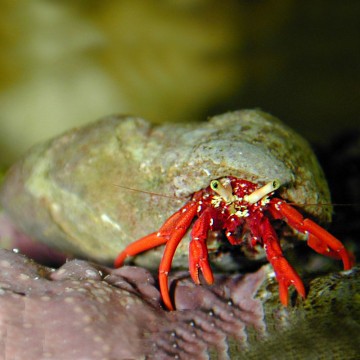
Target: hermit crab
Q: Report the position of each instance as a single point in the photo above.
(92, 191)
(243, 210)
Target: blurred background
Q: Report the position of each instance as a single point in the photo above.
(65, 63)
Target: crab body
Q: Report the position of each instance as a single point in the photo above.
(244, 212)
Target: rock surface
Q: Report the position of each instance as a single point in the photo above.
(86, 311)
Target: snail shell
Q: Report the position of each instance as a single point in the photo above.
(72, 192)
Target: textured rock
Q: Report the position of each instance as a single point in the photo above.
(86, 311)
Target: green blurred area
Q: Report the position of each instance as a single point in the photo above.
(65, 63)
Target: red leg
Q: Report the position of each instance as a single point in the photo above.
(187, 214)
(285, 274)
(232, 225)
(152, 240)
(319, 239)
(145, 243)
(198, 253)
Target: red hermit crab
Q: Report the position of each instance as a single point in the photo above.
(64, 193)
(244, 211)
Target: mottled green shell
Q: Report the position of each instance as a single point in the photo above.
(72, 191)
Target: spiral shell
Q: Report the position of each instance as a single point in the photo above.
(74, 191)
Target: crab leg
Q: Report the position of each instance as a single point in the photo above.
(145, 243)
(187, 214)
(319, 239)
(149, 241)
(285, 273)
(198, 253)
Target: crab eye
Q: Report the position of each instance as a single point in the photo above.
(276, 184)
(225, 191)
(214, 184)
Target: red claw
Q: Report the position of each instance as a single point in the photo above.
(199, 260)
(284, 272)
(318, 238)
(324, 243)
(198, 254)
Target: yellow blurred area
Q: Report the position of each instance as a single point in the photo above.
(65, 63)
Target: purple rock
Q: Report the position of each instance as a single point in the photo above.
(86, 311)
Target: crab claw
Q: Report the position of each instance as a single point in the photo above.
(318, 238)
(198, 253)
(284, 272)
(287, 276)
(324, 243)
(198, 260)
